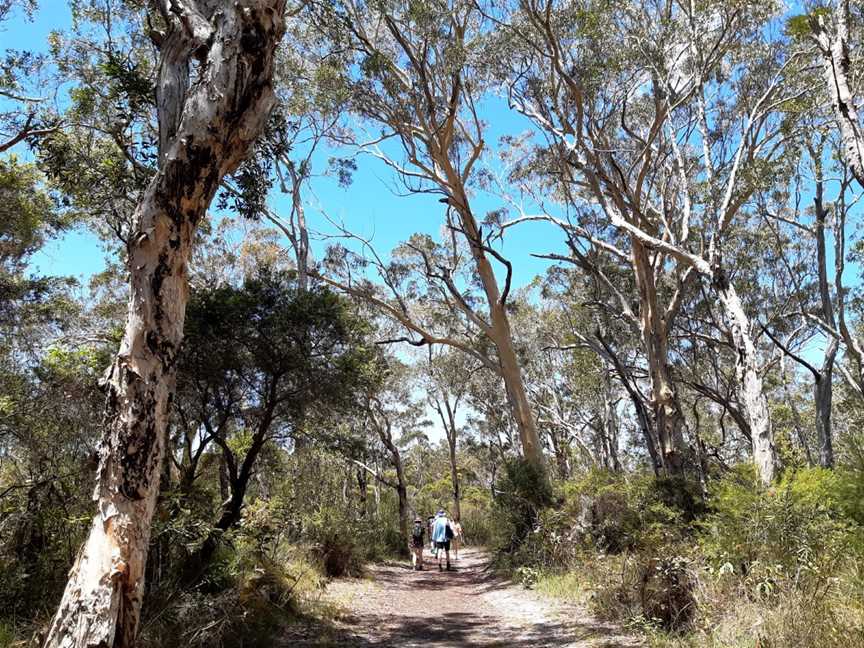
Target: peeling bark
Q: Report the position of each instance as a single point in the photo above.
(668, 417)
(205, 131)
(750, 387)
(834, 49)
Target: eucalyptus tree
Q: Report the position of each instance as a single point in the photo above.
(394, 420)
(589, 319)
(664, 143)
(446, 376)
(826, 308)
(213, 94)
(410, 73)
(568, 386)
(833, 30)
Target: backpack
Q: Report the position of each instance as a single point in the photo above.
(417, 533)
(448, 532)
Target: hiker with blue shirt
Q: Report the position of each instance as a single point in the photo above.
(442, 533)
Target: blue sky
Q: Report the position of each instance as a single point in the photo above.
(370, 206)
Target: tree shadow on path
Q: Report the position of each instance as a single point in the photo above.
(472, 607)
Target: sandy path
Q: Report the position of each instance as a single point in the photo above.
(397, 606)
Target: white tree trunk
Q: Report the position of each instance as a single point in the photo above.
(205, 131)
(502, 336)
(750, 388)
(835, 63)
(610, 426)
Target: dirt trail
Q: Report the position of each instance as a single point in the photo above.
(472, 606)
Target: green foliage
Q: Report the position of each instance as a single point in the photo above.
(798, 26)
(783, 559)
(522, 494)
(795, 529)
(251, 592)
(617, 514)
(28, 215)
(344, 544)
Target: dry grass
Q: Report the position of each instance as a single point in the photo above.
(732, 611)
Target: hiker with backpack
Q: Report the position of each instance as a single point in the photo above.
(442, 534)
(418, 539)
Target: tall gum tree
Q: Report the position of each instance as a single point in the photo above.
(213, 99)
(417, 87)
(830, 32)
(829, 28)
(660, 140)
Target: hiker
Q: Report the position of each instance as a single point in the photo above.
(430, 522)
(418, 539)
(457, 537)
(442, 533)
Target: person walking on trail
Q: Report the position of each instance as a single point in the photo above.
(458, 538)
(430, 524)
(418, 539)
(442, 534)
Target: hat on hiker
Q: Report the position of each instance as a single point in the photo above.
(441, 512)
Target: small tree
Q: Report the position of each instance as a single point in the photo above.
(262, 363)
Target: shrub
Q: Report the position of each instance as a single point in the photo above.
(793, 530)
(7, 635)
(334, 541)
(523, 492)
(616, 514)
(250, 591)
(666, 588)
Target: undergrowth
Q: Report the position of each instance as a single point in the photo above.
(746, 566)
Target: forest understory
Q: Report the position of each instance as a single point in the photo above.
(282, 279)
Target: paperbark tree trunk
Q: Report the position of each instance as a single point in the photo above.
(205, 131)
(750, 388)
